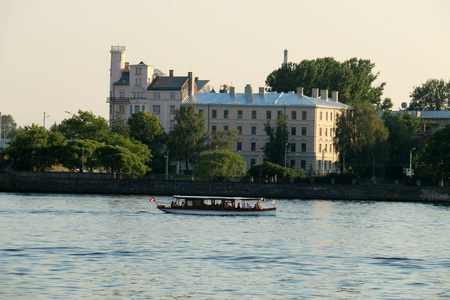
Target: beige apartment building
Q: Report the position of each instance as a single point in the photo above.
(311, 123)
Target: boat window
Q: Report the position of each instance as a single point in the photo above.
(189, 203)
(198, 202)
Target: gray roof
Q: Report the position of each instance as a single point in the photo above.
(270, 99)
(427, 114)
(124, 79)
(201, 84)
(168, 83)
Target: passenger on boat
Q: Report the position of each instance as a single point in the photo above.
(239, 206)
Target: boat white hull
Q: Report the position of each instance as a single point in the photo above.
(242, 212)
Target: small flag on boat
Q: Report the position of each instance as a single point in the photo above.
(152, 200)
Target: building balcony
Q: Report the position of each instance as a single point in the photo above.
(117, 99)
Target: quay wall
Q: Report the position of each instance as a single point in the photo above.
(97, 183)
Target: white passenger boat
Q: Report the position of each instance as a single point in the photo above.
(217, 206)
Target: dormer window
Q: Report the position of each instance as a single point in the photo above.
(156, 96)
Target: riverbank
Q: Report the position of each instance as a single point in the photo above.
(100, 183)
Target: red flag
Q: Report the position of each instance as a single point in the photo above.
(152, 200)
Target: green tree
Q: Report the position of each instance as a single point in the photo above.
(269, 170)
(85, 125)
(188, 137)
(8, 127)
(120, 161)
(34, 148)
(220, 164)
(146, 128)
(275, 149)
(353, 78)
(402, 128)
(360, 139)
(119, 125)
(78, 154)
(432, 95)
(434, 160)
(136, 147)
(223, 139)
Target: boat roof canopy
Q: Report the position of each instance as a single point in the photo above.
(218, 198)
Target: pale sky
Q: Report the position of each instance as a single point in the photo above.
(54, 54)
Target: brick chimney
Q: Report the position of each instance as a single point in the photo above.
(315, 93)
(324, 94)
(335, 96)
(300, 91)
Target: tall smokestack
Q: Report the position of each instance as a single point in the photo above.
(285, 61)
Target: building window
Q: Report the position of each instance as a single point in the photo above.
(200, 112)
(279, 113)
(320, 116)
(239, 114)
(303, 164)
(304, 115)
(172, 96)
(156, 109)
(253, 146)
(172, 123)
(156, 96)
(320, 147)
(239, 128)
(293, 163)
(326, 131)
(225, 127)
(253, 114)
(225, 114)
(143, 108)
(326, 116)
(239, 146)
(331, 116)
(293, 147)
(214, 114)
(303, 130)
(172, 109)
(303, 147)
(213, 128)
(293, 130)
(122, 95)
(122, 109)
(293, 115)
(320, 131)
(138, 71)
(268, 115)
(252, 162)
(253, 130)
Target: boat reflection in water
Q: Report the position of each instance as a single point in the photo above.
(218, 206)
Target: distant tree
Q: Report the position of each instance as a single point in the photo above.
(85, 125)
(136, 147)
(220, 164)
(188, 137)
(119, 125)
(269, 170)
(9, 127)
(78, 154)
(34, 148)
(360, 138)
(120, 161)
(223, 139)
(434, 160)
(402, 128)
(353, 78)
(432, 95)
(146, 128)
(275, 148)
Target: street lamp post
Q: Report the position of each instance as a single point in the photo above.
(285, 154)
(45, 116)
(409, 173)
(167, 165)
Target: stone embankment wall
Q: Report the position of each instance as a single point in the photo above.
(13, 181)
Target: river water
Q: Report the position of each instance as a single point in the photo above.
(122, 247)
